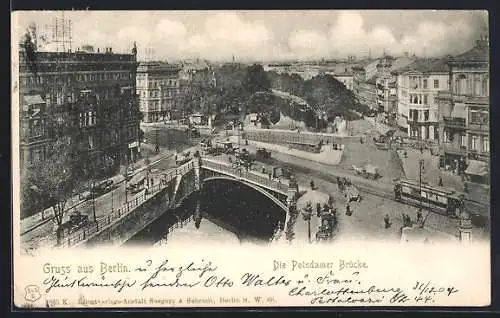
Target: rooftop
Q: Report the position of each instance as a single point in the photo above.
(157, 66)
(83, 56)
(426, 65)
(479, 53)
(195, 64)
(401, 62)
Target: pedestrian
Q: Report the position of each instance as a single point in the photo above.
(440, 181)
(263, 169)
(313, 187)
(419, 216)
(326, 208)
(348, 211)
(269, 174)
(157, 148)
(331, 200)
(152, 182)
(318, 209)
(387, 222)
(421, 149)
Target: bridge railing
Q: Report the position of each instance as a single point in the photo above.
(244, 174)
(92, 228)
(180, 224)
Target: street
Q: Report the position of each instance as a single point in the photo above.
(44, 234)
(367, 220)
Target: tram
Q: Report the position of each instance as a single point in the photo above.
(438, 199)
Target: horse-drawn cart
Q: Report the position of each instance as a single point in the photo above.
(369, 171)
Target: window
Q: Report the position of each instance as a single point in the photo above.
(91, 142)
(436, 83)
(477, 87)
(463, 141)
(425, 83)
(426, 115)
(475, 142)
(485, 87)
(486, 144)
(446, 136)
(425, 100)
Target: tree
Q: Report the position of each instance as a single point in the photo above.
(56, 177)
(29, 47)
(257, 79)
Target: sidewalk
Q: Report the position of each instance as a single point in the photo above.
(431, 172)
(36, 219)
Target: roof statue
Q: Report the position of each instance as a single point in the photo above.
(134, 49)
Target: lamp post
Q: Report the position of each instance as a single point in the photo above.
(307, 213)
(420, 170)
(93, 201)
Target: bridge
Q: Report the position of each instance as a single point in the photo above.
(200, 174)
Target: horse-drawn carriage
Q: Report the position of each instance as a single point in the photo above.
(76, 221)
(369, 171)
(350, 191)
(136, 184)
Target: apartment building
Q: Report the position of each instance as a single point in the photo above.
(464, 113)
(418, 85)
(387, 98)
(85, 97)
(158, 88)
(364, 84)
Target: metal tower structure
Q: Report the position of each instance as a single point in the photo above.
(58, 33)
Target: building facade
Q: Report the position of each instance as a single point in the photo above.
(364, 84)
(464, 112)
(387, 97)
(345, 78)
(158, 88)
(88, 98)
(417, 87)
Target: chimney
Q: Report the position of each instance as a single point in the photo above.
(97, 50)
(482, 42)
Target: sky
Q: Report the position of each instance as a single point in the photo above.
(269, 35)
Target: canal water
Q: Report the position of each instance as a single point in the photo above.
(219, 224)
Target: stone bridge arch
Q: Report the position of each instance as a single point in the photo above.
(241, 206)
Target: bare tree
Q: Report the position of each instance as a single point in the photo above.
(56, 178)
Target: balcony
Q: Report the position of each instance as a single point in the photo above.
(478, 154)
(476, 100)
(454, 122)
(479, 127)
(449, 147)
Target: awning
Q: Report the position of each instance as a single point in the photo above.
(32, 100)
(459, 111)
(477, 168)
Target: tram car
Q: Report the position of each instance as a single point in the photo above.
(438, 199)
